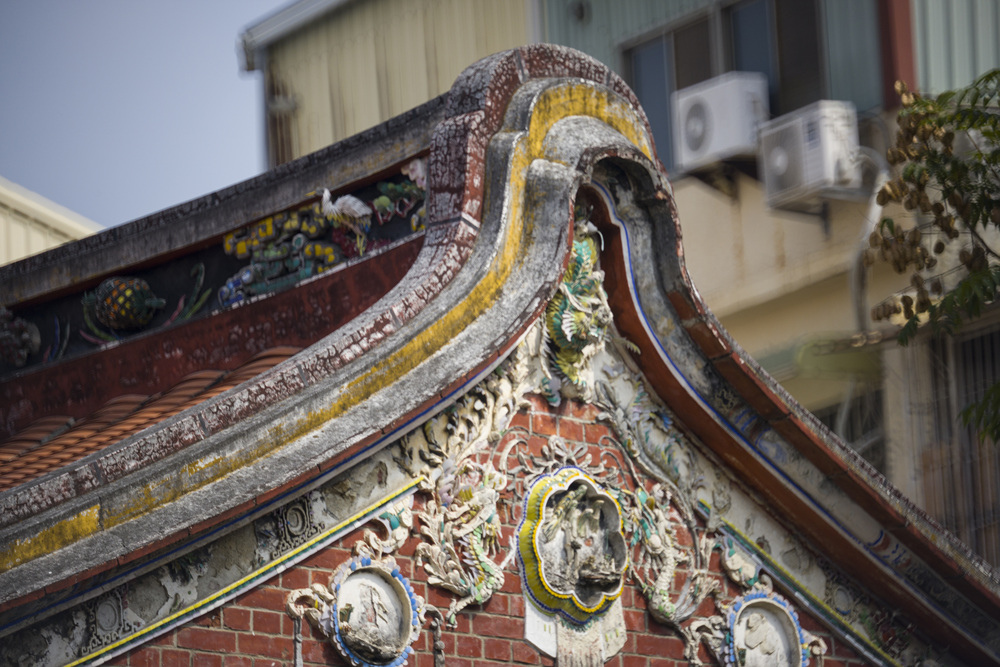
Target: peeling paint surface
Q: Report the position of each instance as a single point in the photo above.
(174, 588)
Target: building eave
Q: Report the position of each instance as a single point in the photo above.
(279, 25)
(46, 211)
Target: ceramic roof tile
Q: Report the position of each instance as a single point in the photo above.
(112, 413)
(43, 428)
(55, 441)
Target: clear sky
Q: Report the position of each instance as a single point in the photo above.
(119, 108)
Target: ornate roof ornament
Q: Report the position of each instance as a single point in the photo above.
(571, 546)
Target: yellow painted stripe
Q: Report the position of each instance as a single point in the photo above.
(50, 539)
(561, 101)
(580, 99)
(264, 572)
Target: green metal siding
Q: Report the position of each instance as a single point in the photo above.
(853, 64)
(850, 33)
(954, 41)
(612, 23)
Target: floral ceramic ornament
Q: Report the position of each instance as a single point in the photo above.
(571, 545)
(369, 612)
(573, 561)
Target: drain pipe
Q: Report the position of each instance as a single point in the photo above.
(858, 273)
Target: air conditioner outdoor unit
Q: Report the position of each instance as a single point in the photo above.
(717, 119)
(810, 154)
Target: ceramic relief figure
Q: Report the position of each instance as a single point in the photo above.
(573, 557)
(762, 644)
(369, 611)
(123, 303)
(764, 631)
(580, 548)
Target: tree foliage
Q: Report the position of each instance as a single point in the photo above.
(947, 158)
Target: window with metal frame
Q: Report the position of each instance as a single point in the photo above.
(961, 471)
(779, 38)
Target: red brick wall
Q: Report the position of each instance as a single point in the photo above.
(254, 631)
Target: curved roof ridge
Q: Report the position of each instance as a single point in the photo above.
(520, 134)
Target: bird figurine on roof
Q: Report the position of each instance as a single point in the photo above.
(349, 211)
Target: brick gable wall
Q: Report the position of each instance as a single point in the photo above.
(253, 630)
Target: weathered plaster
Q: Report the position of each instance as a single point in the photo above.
(178, 586)
(497, 240)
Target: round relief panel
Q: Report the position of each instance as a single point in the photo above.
(108, 614)
(765, 631)
(375, 613)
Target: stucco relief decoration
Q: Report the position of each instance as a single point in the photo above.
(462, 529)
(468, 484)
(592, 524)
(646, 431)
(854, 607)
(369, 611)
(647, 528)
(762, 629)
(573, 557)
(455, 452)
(289, 526)
(109, 619)
(571, 546)
(398, 522)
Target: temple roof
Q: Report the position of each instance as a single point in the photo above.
(126, 443)
(55, 441)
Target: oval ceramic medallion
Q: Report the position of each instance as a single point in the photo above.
(375, 613)
(764, 632)
(571, 545)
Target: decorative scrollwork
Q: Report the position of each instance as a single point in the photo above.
(462, 526)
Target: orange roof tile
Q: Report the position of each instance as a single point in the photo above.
(55, 441)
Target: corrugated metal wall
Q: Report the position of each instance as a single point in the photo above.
(29, 223)
(955, 41)
(373, 60)
(850, 34)
(21, 235)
